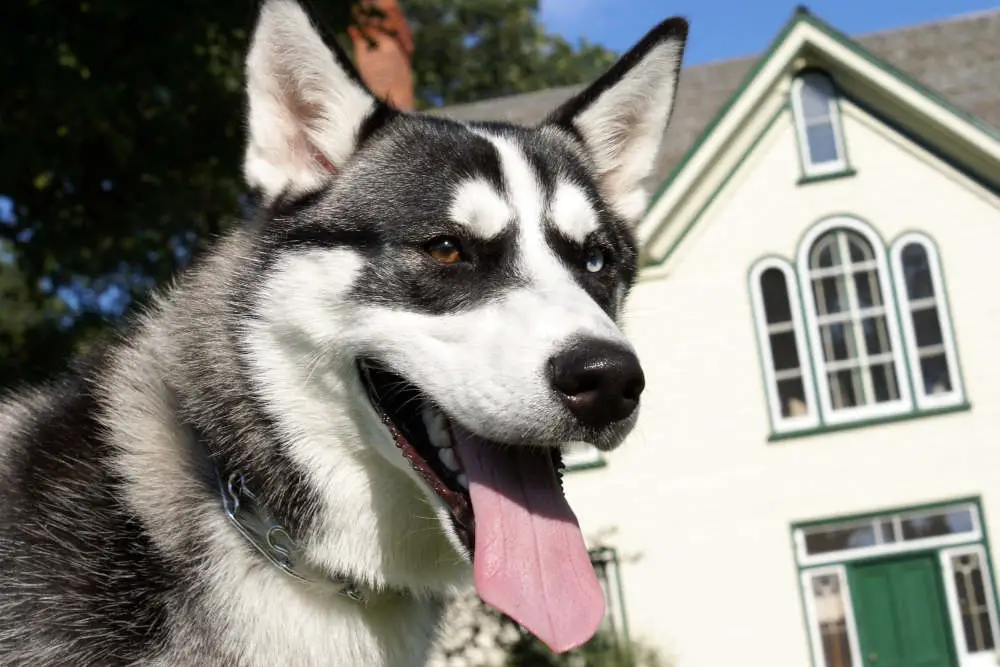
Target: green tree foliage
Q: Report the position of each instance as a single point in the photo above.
(467, 50)
(121, 129)
(121, 132)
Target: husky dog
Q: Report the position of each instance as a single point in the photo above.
(354, 403)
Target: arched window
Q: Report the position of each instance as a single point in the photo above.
(854, 333)
(817, 120)
(926, 322)
(787, 371)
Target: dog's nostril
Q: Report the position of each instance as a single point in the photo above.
(634, 389)
(599, 381)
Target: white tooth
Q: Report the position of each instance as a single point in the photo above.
(463, 480)
(437, 427)
(448, 458)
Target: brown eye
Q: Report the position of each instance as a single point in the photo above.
(445, 250)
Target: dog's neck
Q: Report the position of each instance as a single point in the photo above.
(264, 530)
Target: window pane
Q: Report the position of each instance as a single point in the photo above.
(876, 335)
(822, 143)
(888, 531)
(831, 295)
(845, 388)
(826, 254)
(917, 272)
(977, 626)
(934, 371)
(816, 95)
(783, 351)
(774, 290)
(839, 538)
(884, 382)
(927, 327)
(861, 250)
(935, 524)
(838, 342)
(869, 293)
(831, 616)
(792, 394)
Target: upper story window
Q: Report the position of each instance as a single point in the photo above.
(856, 347)
(836, 346)
(787, 371)
(817, 121)
(926, 327)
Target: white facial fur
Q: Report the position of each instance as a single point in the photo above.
(486, 366)
(572, 212)
(481, 208)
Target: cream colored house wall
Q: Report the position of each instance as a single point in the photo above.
(698, 495)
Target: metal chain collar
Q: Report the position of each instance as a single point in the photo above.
(268, 537)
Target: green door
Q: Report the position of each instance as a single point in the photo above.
(900, 611)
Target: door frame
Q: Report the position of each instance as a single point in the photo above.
(975, 540)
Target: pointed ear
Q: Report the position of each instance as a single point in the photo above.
(306, 104)
(622, 116)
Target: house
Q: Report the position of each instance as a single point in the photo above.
(815, 477)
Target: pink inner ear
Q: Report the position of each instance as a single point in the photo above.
(324, 161)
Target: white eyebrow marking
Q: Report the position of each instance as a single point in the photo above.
(480, 207)
(572, 212)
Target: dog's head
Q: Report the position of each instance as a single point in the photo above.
(457, 285)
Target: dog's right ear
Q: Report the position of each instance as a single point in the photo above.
(621, 118)
(307, 104)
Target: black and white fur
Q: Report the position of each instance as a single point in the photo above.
(113, 546)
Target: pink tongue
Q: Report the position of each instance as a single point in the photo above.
(531, 562)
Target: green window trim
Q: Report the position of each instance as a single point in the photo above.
(823, 178)
(913, 402)
(867, 423)
(580, 456)
(944, 551)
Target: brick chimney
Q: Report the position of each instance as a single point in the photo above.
(383, 47)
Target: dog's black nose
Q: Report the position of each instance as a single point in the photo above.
(599, 381)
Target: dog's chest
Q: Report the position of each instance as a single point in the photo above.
(309, 632)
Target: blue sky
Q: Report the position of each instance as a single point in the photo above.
(723, 29)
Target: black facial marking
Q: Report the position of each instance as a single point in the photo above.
(556, 163)
(396, 195)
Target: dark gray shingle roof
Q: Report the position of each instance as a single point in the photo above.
(959, 58)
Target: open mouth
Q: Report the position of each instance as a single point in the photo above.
(507, 506)
(424, 437)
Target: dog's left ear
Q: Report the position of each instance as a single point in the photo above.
(307, 104)
(621, 117)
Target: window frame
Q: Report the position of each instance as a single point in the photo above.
(780, 424)
(954, 613)
(923, 400)
(904, 403)
(977, 542)
(812, 615)
(581, 456)
(811, 169)
(975, 535)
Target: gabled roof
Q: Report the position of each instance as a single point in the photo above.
(958, 58)
(966, 141)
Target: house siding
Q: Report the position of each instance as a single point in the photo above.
(700, 501)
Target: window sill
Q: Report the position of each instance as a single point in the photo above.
(864, 423)
(819, 178)
(585, 465)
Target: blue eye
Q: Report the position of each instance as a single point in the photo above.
(595, 260)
